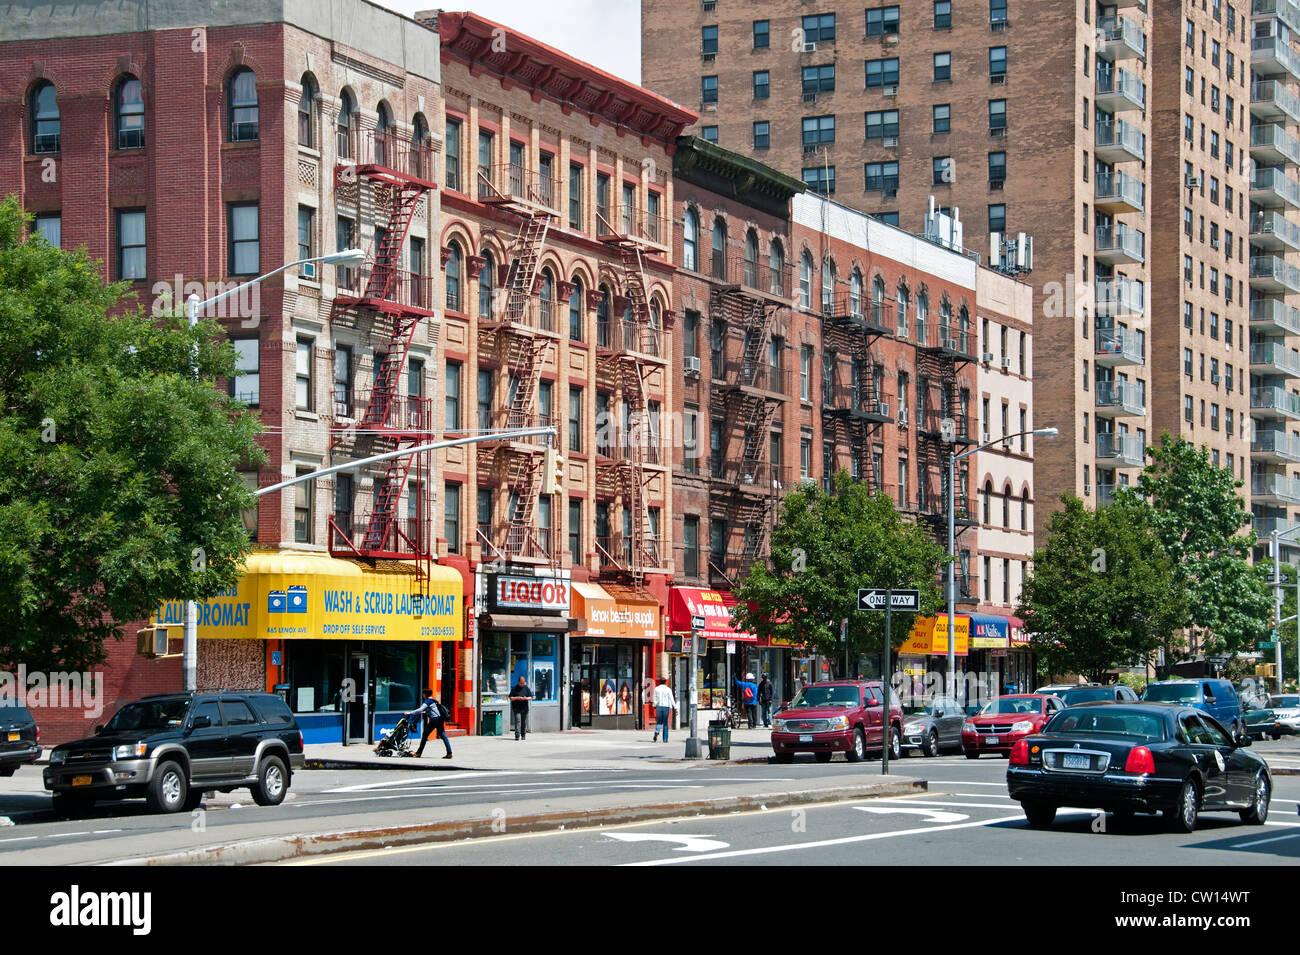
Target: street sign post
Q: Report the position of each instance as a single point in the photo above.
(874, 599)
(887, 600)
(693, 740)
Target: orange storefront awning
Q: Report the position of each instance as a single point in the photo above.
(622, 616)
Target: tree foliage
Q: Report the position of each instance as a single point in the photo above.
(826, 547)
(1204, 527)
(120, 486)
(1102, 591)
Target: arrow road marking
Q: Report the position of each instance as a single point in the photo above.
(933, 815)
(688, 843)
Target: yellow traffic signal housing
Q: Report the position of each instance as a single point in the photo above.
(552, 472)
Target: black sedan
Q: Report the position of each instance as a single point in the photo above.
(1127, 758)
(20, 739)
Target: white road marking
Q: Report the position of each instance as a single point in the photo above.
(934, 815)
(1260, 842)
(19, 839)
(955, 805)
(823, 843)
(688, 843)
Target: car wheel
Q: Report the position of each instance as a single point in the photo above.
(1275, 736)
(1257, 814)
(193, 799)
(859, 750)
(169, 789)
(272, 782)
(895, 743)
(823, 757)
(1182, 817)
(74, 807)
(784, 757)
(8, 770)
(970, 755)
(1039, 814)
(931, 745)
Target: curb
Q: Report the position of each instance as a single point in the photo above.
(280, 848)
(1284, 771)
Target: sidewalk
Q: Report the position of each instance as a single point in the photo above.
(570, 749)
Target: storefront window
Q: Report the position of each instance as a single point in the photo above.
(543, 681)
(397, 676)
(509, 656)
(315, 674)
(496, 668)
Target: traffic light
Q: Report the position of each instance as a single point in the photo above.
(1266, 670)
(552, 472)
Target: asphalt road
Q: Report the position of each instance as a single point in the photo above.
(965, 819)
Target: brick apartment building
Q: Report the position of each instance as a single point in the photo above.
(1044, 119)
(194, 157)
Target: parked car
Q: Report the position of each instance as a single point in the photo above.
(20, 738)
(1261, 723)
(999, 723)
(1138, 757)
(1093, 692)
(1215, 697)
(1286, 714)
(842, 716)
(173, 748)
(1056, 689)
(932, 727)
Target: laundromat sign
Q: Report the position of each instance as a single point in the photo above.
(548, 594)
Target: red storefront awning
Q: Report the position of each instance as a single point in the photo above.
(1018, 632)
(713, 605)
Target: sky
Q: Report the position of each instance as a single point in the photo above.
(604, 33)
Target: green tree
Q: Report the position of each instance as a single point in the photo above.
(1204, 527)
(120, 486)
(1101, 592)
(1287, 632)
(826, 547)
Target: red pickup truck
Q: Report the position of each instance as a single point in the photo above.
(843, 716)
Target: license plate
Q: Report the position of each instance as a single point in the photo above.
(990, 741)
(81, 780)
(806, 739)
(13, 736)
(1071, 761)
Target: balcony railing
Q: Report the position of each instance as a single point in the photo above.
(1126, 450)
(1272, 187)
(1120, 298)
(1278, 486)
(514, 182)
(1271, 55)
(758, 375)
(1276, 444)
(1119, 396)
(514, 541)
(1274, 313)
(759, 477)
(864, 400)
(1274, 358)
(1288, 11)
(1120, 89)
(1118, 141)
(1270, 99)
(930, 422)
(1118, 346)
(1269, 142)
(389, 151)
(402, 536)
(1120, 242)
(1271, 273)
(1121, 37)
(1265, 526)
(388, 286)
(394, 412)
(1120, 191)
(1272, 230)
(1274, 398)
(625, 336)
(758, 274)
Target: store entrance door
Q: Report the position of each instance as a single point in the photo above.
(583, 694)
(359, 707)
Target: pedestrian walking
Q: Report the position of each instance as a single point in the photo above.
(520, 694)
(766, 693)
(435, 721)
(665, 704)
(749, 698)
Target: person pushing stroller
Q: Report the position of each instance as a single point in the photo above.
(434, 721)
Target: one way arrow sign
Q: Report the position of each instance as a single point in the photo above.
(899, 599)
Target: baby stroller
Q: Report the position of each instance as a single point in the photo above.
(398, 742)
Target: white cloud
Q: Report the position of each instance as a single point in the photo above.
(604, 33)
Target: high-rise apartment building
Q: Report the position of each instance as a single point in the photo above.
(1109, 133)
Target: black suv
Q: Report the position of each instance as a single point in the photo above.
(20, 740)
(172, 748)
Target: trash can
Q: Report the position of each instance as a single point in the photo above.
(719, 739)
(491, 723)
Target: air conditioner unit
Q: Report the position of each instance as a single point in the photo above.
(998, 79)
(1214, 379)
(882, 408)
(988, 357)
(902, 417)
(889, 90)
(708, 57)
(997, 183)
(810, 97)
(1006, 364)
(308, 271)
(950, 344)
(1214, 243)
(891, 39)
(709, 5)
(710, 107)
(890, 142)
(809, 150)
(987, 438)
(1087, 490)
(997, 130)
(891, 194)
(999, 25)
(1192, 182)
(810, 47)
(692, 364)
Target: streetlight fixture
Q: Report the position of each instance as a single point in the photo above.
(194, 306)
(953, 458)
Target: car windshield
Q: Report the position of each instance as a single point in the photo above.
(1286, 701)
(826, 696)
(150, 715)
(1012, 704)
(1086, 695)
(1172, 693)
(1108, 722)
(929, 709)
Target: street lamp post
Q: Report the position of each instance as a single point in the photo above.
(1275, 544)
(953, 458)
(193, 306)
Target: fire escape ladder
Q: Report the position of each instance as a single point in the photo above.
(525, 255)
(382, 528)
(523, 477)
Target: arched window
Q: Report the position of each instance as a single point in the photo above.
(486, 287)
(805, 280)
(855, 292)
(878, 301)
(421, 156)
(128, 114)
(1024, 509)
(43, 108)
(1006, 507)
(903, 301)
(828, 284)
(751, 258)
(344, 126)
(603, 332)
(719, 249)
(241, 100)
(690, 241)
(307, 103)
(988, 498)
(547, 299)
(453, 276)
(383, 132)
(946, 331)
(922, 313)
(575, 310)
(776, 265)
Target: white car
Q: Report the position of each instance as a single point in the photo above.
(1286, 710)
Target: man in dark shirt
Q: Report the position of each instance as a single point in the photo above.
(520, 694)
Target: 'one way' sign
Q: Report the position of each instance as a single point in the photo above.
(899, 600)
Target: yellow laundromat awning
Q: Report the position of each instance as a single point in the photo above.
(299, 596)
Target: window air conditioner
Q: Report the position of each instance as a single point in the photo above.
(889, 142)
(902, 417)
(692, 364)
(988, 357)
(889, 90)
(1006, 364)
(882, 408)
(810, 47)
